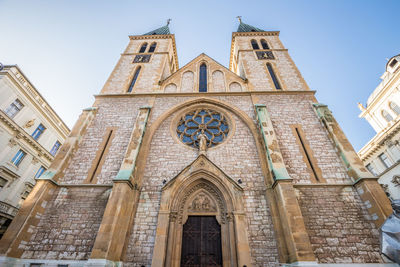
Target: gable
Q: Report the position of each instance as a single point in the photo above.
(219, 78)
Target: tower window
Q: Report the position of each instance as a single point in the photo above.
(14, 108)
(135, 76)
(152, 47)
(273, 76)
(17, 159)
(143, 48)
(254, 44)
(387, 116)
(203, 78)
(395, 108)
(38, 132)
(264, 44)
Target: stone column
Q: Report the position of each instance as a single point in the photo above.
(367, 186)
(242, 245)
(118, 215)
(297, 241)
(19, 230)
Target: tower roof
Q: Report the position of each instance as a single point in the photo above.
(159, 31)
(243, 27)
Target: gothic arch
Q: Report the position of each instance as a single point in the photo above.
(201, 189)
(142, 157)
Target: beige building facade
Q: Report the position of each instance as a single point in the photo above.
(381, 155)
(202, 165)
(30, 135)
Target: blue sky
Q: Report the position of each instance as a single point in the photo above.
(68, 48)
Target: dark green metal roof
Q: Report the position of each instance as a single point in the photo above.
(162, 30)
(243, 27)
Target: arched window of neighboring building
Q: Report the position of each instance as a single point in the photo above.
(254, 44)
(152, 47)
(273, 76)
(395, 108)
(264, 44)
(203, 78)
(387, 116)
(143, 48)
(135, 76)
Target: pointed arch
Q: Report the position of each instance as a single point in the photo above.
(264, 44)
(134, 78)
(143, 48)
(254, 44)
(184, 196)
(152, 47)
(203, 78)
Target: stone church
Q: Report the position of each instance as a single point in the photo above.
(202, 165)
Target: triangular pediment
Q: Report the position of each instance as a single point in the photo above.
(202, 164)
(219, 78)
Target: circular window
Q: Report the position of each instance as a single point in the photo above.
(212, 124)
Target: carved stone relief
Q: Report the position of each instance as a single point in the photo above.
(202, 203)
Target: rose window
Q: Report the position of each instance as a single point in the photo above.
(211, 123)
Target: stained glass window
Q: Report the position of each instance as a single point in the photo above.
(203, 78)
(264, 44)
(135, 76)
(211, 123)
(152, 47)
(273, 76)
(254, 44)
(143, 48)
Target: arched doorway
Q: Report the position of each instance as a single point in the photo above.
(201, 220)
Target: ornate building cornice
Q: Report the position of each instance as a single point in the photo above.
(19, 79)
(20, 133)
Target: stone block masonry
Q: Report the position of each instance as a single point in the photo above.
(68, 227)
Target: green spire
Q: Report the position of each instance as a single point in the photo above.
(243, 27)
(162, 30)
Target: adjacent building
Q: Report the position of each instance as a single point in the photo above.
(381, 155)
(202, 165)
(31, 133)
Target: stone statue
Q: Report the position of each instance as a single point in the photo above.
(202, 143)
(390, 234)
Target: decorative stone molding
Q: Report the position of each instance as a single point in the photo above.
(396, 180)
(19, 133)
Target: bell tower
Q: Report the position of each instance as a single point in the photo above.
(147, 60)
(260, 57)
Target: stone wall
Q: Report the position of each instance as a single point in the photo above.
(238, 158)
(339, 226)
(287, 110)
(256, 71)
(118, 113)
(68, 227)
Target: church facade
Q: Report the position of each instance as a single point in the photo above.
(202, 165)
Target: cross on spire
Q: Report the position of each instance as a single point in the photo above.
(239, 18)
(168, 21)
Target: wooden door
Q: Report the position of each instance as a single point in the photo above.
(201, 242)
